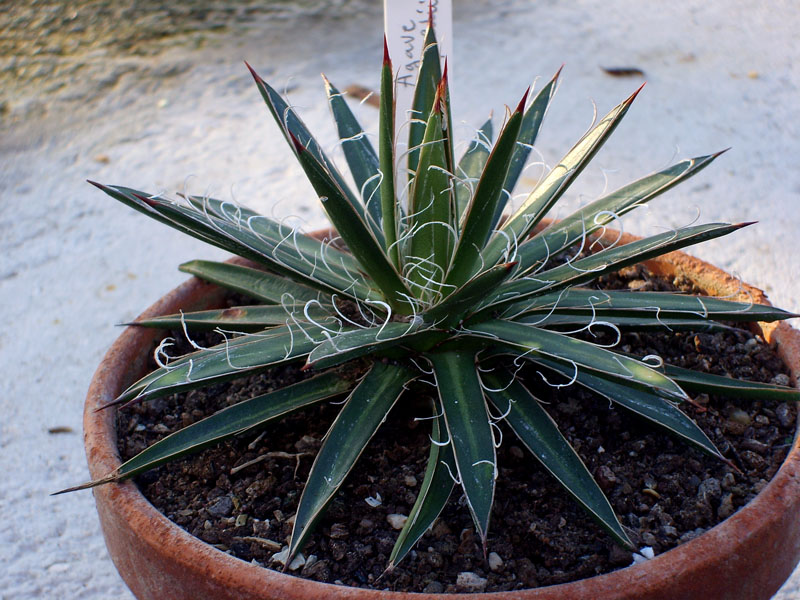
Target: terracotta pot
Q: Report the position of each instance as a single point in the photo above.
(746, 557)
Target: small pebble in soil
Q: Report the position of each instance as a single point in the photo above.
(468, 581)
(396, 521)
(495, 562)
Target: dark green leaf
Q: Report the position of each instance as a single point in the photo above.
(226, 361)
(356, 234)
(259, 285)
(364, 411)
(612, 259)
(597, 214)
(389, 209)
(434, 492)
(653, 304)
(428, 78)
(729, 387)
(294, 130)
(242, 318)
(540, 434)
(452, 309)
(236, 420)
(470, 432)
(550, 189)
(650, 406)
(431, 212)
(360, 155)
(577, 354)
(531, 123)
(358, 342)
(477, 222)
(471, 166)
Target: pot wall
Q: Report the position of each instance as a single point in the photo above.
(747, 557)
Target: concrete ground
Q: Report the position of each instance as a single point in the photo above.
(158, 98)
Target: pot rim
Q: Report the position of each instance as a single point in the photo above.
(685, 563)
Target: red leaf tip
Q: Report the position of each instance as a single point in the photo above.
(636, 93)
(386, 59)
(255, 75)
(521, 105)
(715, 155)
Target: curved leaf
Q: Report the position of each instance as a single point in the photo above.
(225, 361)
(470, 433)
(644, 403)
(599, 213)
(259, 285)
(577, 354)
(359, 153)
(550, 189)
(471, 166)
(537, 430)
(434, 492)
(236, 420)
(363, 413)
(241, 318)
(612, 259)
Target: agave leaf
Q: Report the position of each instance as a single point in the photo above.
(537, 430)
(477, 221)
(229, 360)
(428, 78)
(531, 123)
(572, 321)
(452, 309)
(274, 250)
(360, 155)
(729, 387)
(259, 285)
(657, 304)
(294, 130)
(612, 259)
(644, 403)
(363, 413)
(599, 213)
(289, 239)
(242, 318)
(236, 420)
(577, 355)
(471, 165)
(550, 189)
(389, 209)
(358, 342)
(431, 209)
(356, 234)
(470, 433)
(434, 492)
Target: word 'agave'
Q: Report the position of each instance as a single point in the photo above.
(439, 286)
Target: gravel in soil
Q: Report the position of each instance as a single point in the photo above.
(241, 496)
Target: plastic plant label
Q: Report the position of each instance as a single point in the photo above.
(405, 23)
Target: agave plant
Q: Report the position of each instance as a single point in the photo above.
(427, 279)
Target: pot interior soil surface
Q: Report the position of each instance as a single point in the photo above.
(241, 495)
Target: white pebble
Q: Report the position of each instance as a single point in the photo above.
(495, 562)
(644, 555)
(280, 557)
(397, 521)
(297, 562)
(471, 582)
(374, 502)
